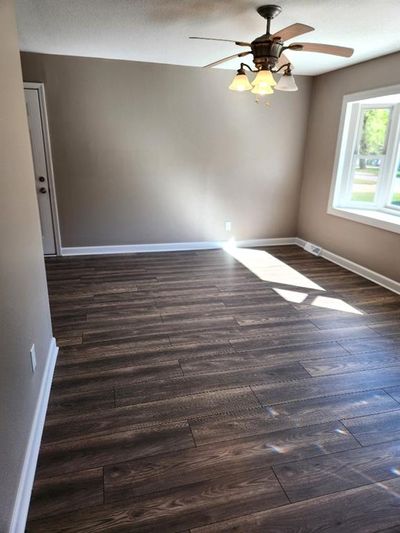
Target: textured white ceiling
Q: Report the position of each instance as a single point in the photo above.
(158, 30)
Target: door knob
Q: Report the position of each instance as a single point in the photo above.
(42, 190)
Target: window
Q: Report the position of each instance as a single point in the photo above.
(366, 185)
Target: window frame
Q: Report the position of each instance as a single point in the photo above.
(394, 165)
(380, 213)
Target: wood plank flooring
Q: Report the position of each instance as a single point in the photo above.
(193, 395)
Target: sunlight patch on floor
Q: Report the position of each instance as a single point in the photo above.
(292, 296)
(268, 268)
(335, 304)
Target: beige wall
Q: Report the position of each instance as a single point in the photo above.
(24, 311)
(147, 153)
(371, 247)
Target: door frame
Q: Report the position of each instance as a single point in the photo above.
(39, 87)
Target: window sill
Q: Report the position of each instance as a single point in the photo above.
(378, 219)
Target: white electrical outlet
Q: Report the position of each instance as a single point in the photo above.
(33, 358)
(228, 226)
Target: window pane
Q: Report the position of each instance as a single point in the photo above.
(374, 124)
(365, 178)
(395, 200)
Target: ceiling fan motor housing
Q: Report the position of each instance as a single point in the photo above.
(266, 52)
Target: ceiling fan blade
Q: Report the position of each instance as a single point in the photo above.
(239, 43)
(292, 31)
(283, 60)
(324, 49)
(227, 59)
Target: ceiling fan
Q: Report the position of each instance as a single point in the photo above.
(268, 55)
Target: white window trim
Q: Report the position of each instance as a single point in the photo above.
(385, 218)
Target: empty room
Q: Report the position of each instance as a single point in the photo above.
(200, 267)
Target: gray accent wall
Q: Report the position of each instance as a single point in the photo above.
(24, 310)
(149, 153)
(371, 247)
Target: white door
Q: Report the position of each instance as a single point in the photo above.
(40, 163)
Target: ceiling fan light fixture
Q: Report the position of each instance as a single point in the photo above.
(264, 78)
(287, 83)
(240, 82)
(262, 90)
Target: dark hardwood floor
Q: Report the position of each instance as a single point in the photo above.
(191, 395)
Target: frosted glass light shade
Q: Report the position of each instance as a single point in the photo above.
(240, 83)
(287, 83)
(264, 78)
(262, 90)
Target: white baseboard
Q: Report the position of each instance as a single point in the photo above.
(364, 272)
(300, 242)
(21, 506)
(169, 246)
